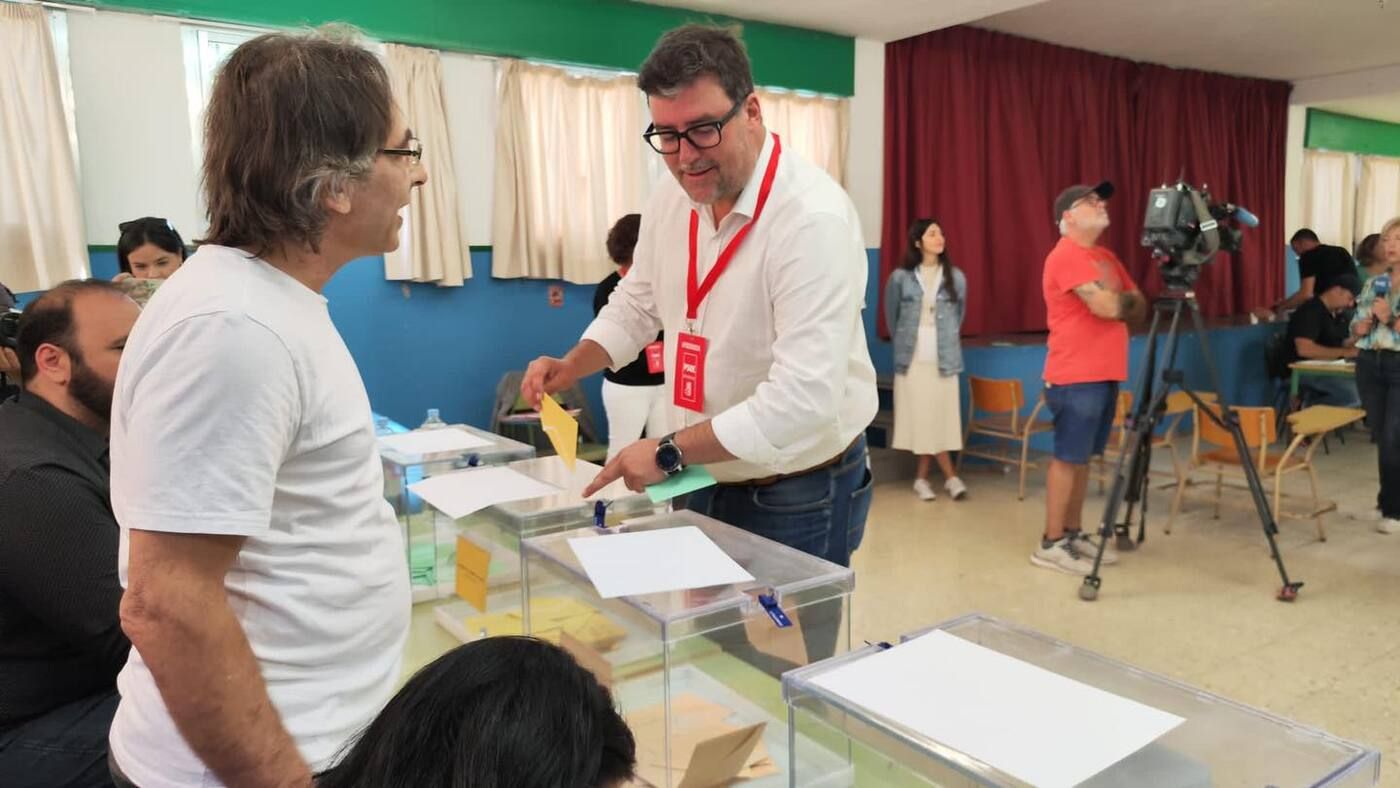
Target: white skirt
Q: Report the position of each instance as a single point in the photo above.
(927, 410)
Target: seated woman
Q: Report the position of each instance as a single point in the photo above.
(503, 712)
(1368, 257)
(149, 248)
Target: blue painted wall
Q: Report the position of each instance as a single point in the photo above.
(421, 346)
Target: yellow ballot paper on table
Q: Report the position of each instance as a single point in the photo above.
(562, 430)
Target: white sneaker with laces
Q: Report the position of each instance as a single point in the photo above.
(1089, 547)
(956, 488)
(1062, 555)
(1388, 525)
(924, 490)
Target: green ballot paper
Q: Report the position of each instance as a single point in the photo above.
(689, 480)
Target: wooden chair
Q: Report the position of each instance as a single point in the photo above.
(1213, 451)
(995, 411)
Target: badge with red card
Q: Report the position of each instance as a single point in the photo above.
(656, 357)
(690, 372)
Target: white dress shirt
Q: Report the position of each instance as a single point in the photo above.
(788, 378)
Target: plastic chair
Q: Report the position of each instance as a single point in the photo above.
(1001, 402)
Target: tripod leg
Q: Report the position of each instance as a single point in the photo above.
(1228, 420)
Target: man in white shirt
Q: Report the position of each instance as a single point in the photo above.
(767, 367)
(266, 597)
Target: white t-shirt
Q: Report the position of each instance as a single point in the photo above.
(238, 410)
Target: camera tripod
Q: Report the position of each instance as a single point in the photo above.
(1130, 482)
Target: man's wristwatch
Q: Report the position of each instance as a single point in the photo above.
(668, 456)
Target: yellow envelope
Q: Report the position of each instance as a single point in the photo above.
(562, 430)
(473, 567)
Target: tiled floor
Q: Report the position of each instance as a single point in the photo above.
(1197, 606)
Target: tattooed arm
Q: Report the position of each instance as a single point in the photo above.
(1110, 304)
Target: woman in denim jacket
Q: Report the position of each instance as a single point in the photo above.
(925, 300)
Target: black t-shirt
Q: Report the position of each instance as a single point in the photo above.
(1314, 321)
(1324, 263)
(634, 374)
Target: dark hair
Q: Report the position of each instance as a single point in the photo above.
(689, 52)
(1304, 235)
(48, 320)
(622, 238)
(502, 712)
(1366, 251)
(147, 230)
(292, 118)
(913, 255)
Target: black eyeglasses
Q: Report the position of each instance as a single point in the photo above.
(414, 149)
(700, 136)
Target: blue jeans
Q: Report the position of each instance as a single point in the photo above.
(1083, 418)
(66, 747)
(1341, 392)
(1378, 378)
(821, 513)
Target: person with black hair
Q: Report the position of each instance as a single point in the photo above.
(634, 397)
(61, 641)
(1318, 265)
(925, 300)
(503, 712)
(149, 248)
(1369, 261)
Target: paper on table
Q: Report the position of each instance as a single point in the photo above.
(432, 441)
(649, 562)
(689, 480)
(1004, 712)
(561, 428)
(461, 493)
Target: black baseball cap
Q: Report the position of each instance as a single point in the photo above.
(1075, 193)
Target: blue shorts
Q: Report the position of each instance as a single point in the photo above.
(1083, 418)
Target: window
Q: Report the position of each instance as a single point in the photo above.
(206, 49)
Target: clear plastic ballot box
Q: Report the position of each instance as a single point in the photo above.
(486, 595)
(1217, 742)
(410, 457)
(697, 672)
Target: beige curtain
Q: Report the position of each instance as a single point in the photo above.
(815, 127)
(1329, 192)
(432, 247)
(1378, 197)
(570, 161)
(41, 213)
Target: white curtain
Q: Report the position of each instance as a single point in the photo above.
(1378, 196)
(569, 163)
(1329, 193)
(41, 214)
(816, 127)
(432, 247)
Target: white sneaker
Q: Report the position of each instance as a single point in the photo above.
(956, 488)
(1388, 525)
(924, 490)
(1089, 547)
(1064, 556)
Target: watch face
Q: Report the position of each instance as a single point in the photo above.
(668, 457)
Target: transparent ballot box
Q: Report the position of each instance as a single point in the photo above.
(695, 671)
(404, 465)
(478, 556)
(1208, 740)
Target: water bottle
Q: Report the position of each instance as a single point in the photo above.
(433, 422)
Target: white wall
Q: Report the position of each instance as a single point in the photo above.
(133, 128)
(865, 160)
(1293, 173)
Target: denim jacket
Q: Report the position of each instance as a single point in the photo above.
(904, 296)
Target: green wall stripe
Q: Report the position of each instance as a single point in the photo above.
(604, 33)
(1350, 134)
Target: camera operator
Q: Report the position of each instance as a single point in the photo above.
(1377, 331)
(1088, 299)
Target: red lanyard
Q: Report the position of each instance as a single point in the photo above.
(695, 294)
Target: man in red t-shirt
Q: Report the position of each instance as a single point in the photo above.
(1089, 297)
